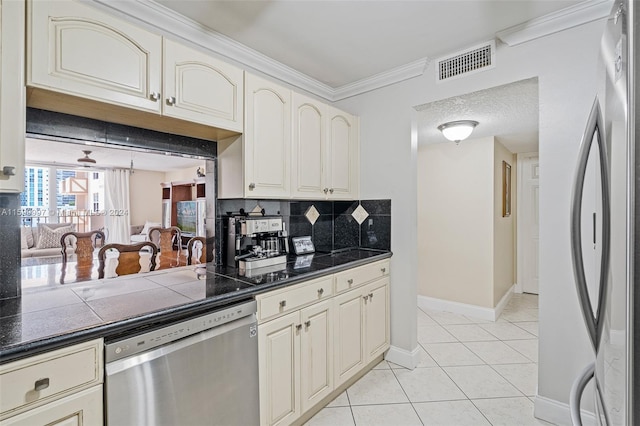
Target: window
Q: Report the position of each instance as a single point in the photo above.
(96, 201)
(96, 175)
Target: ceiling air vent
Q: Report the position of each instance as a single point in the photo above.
(477, 58)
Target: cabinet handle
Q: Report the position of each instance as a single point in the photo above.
(283, 303)
(350, 281)
(298, 327)
(41, 384)
(371, 296)
(320, 291)
(383, 270)
(9, 171)
(365, 298)
(252, 185)
(171, 100)
(325, 190)
(154, 96)
(331, 191)
(307, 323)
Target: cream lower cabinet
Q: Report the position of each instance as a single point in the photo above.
(61, 387)
(361, 328)
(12, 101)
(295, 363)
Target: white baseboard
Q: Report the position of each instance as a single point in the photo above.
(558, 413)
(403, 357)
(474, 311)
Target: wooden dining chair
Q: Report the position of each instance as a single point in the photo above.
(85, 244)
(128, 257)
(195, 246)
(168, 237)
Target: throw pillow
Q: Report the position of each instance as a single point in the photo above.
(29, 236)
(50, 238)
(23, 238)
(148, 225)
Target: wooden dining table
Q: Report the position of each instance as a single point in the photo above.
(50, 272)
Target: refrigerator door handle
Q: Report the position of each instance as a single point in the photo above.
(595, 128)
(576, 393)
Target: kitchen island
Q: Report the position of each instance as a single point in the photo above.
(50, 318)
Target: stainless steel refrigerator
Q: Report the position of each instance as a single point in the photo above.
(605, 231)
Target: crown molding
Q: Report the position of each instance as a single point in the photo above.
(165, 21)
(396, 75)
(564, 19)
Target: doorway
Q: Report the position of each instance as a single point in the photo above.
(528, 239)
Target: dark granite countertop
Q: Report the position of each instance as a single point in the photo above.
(49, 318)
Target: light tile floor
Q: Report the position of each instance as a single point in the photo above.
(471, 372)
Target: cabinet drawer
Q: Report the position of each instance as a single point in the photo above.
(363, 274)
(291, 299)
(55, 374)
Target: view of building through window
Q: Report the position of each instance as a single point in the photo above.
(57, 195)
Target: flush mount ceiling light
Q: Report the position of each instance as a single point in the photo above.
(457, 130)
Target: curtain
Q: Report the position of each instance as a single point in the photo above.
(117, 219)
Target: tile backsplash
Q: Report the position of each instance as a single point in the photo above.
(335, 227)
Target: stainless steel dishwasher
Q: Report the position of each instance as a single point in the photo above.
(201, 371)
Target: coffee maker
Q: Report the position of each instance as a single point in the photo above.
(256, 242)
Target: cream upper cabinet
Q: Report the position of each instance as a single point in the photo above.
(324, 151)
(78, 50)
(307, 148)
(12, 96)
(267, 139)
(202, 89)
(341, 154)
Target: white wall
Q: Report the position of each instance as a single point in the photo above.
(145, 196)
(565, 66)
(455, 221)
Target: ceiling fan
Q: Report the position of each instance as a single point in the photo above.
(86, 160)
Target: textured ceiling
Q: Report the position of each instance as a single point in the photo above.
(508, 112)
(63, 153)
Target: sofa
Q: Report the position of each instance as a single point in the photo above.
(44, 239)
(140, 233)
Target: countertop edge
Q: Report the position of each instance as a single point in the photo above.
(116, 328)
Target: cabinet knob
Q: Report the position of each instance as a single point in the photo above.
(154, 96)
(283, 303)
(371, 296)
(325, 190)
(307, 323)
(383, 270)
(298, 327)
(350, 281)
(365, 297)
(171, 100)
(320, 291)
(41, 384)
(9, 171)
(331, 191)
(252, 185)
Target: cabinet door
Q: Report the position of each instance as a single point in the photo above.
(307, 148)
(316, 378)
(376, 301)
(82, 408)
(78, 50)
(342, 155)
(279, 358)
(348, 332)
(12, 101)
(202, 89)
(267, 138)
